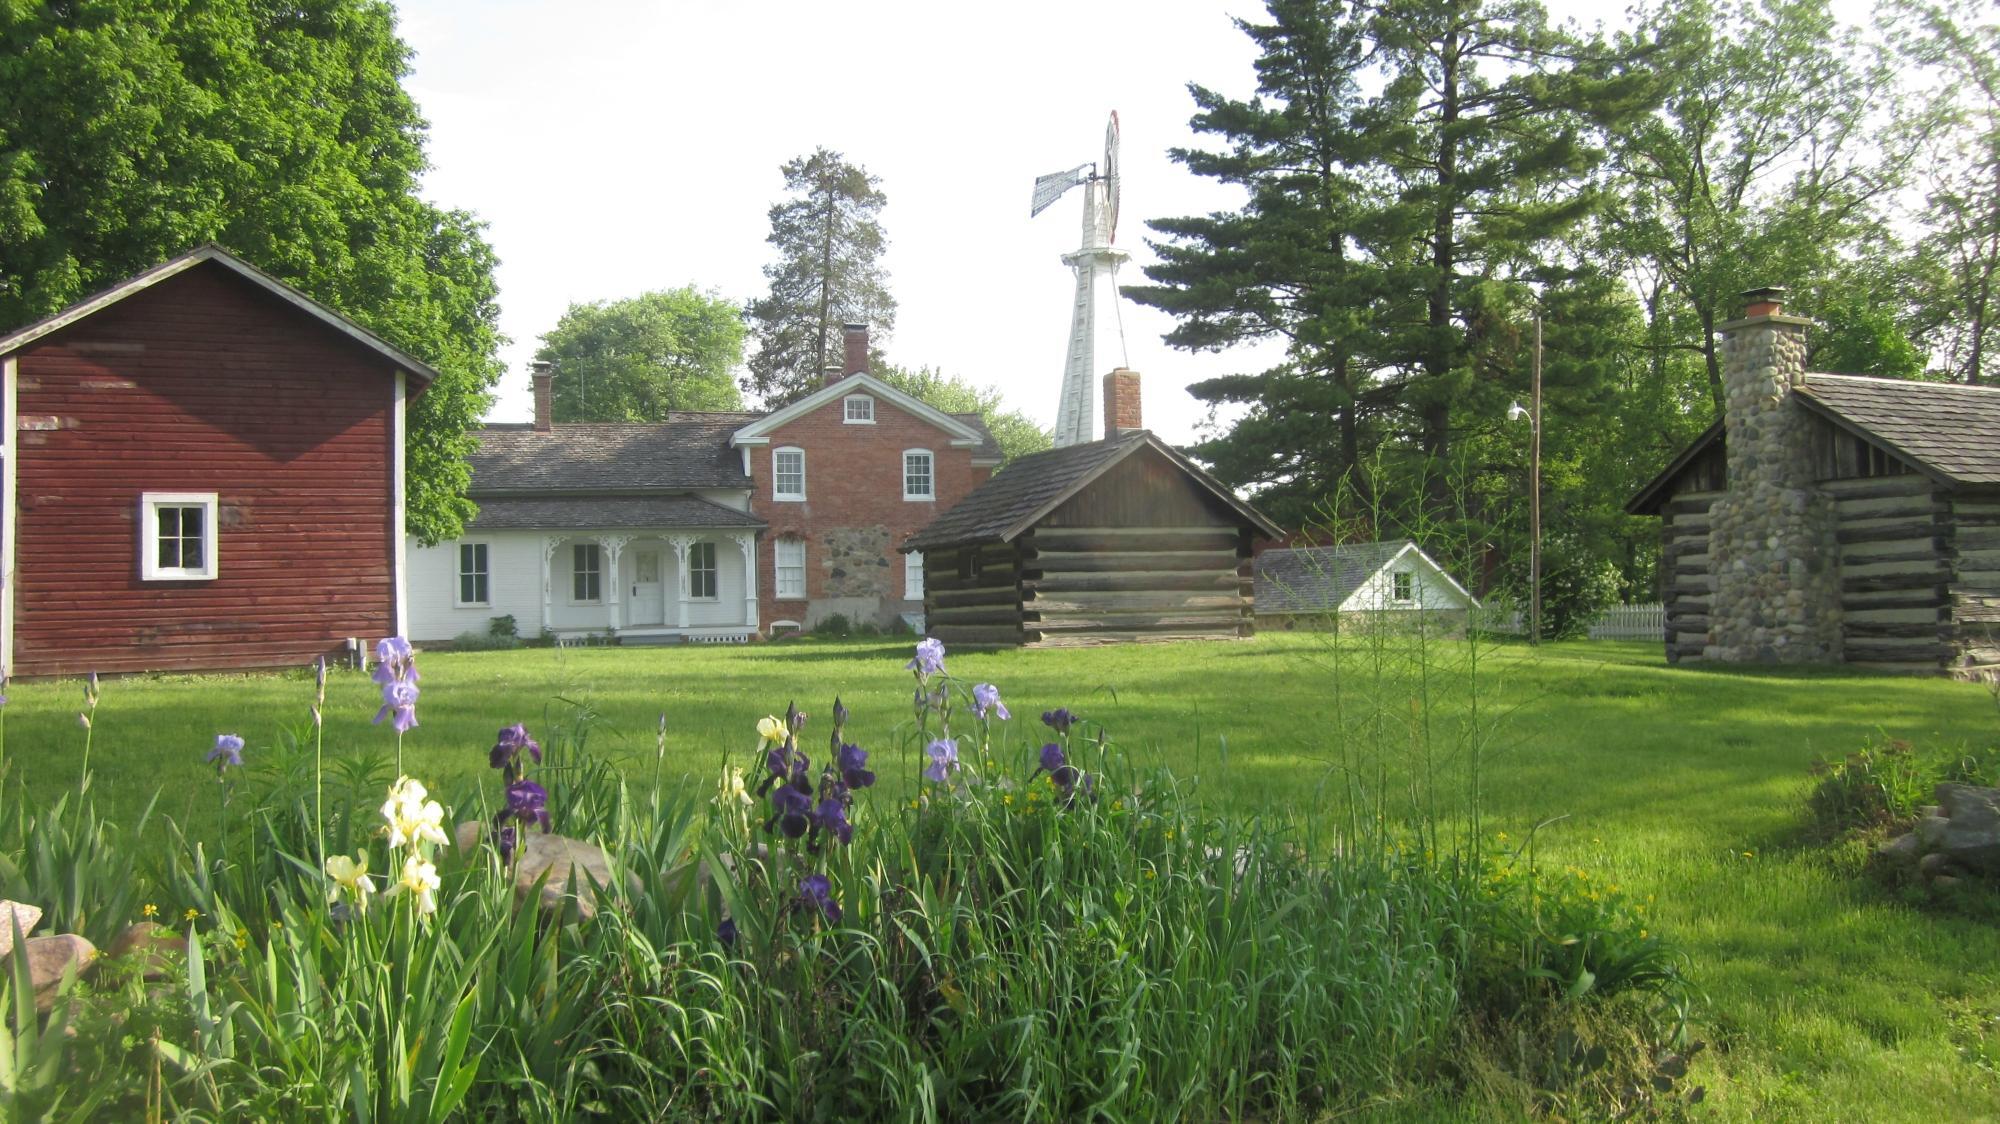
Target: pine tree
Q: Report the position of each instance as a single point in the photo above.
(828, 273)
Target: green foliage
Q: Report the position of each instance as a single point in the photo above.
(829, 239)
(1016, 433)
(1576, 588)
(133, 130)
(637, 359)
(834, 624)
(1885, 781)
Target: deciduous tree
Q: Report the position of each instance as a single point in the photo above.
(1016, 433)
(634, 360)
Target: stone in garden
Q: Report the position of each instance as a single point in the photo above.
(1930, 830)
(12, 914)
(1904, 850)
(574, 869)
(468, 835)
(1934, 864)
(49, 958)
(1972, 832)
(159, 953)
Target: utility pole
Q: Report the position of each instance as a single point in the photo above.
(1535, 493)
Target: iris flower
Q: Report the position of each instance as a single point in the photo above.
(944, 759)
(1053, 758)
(413, 818)
(512, 742)
(986, 697)
(929, 660)
(791, 804)
(1059, 720)
(771, 728)
(731, 793)
(420, 878)
(396, 672)
(228, 752)
(528, 802)
(831, 818)
(816, 892)
(852, 761)
(350, 877)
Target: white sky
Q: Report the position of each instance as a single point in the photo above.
(617, 146)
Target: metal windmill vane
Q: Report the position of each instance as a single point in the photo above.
(1095, 263)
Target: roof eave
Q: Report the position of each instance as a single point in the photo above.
(1644, 502)
(1832, 414)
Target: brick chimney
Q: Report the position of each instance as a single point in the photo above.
(1121, 402)
(830, 374)
(854, 357)
(1772, 551)
(543, 378)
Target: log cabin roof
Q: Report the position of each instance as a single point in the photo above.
(1029, 488)
(597, 512)
(1947, 431)
(685, 451)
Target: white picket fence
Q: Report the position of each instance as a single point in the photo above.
(1620, 622)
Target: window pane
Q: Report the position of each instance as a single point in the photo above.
(916, 474)
(791, 561)
(789, 473)
(913, 576)
(585, 586)
(701, 570)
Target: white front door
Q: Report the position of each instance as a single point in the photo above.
(649, 596)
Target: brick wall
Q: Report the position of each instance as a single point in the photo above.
(854, 516)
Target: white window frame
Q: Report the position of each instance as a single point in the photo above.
(794, 590)
(485, 572)
(1396, 581)
(929, 495)
(577, 572)
(913, 576)
(150, 504)
(777, 490)
(865, 417)
(696, 570)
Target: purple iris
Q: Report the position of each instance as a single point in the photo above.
(1053, 757)
(795, 719)
(1059, 720)
(839, 714)
(986, 697)
(505, 839)
(512, 741)
(528, 802)
(852, 761)
(399, 698)
(228, 752)
(929, 660)
(944, 759)
(791, 807)
(815, 891)
(831, 818)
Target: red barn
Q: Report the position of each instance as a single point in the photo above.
(203, 469)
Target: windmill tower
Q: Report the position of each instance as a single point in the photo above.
(1095, 263)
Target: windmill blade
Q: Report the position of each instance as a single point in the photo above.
(1050, 188)
(1111, 178)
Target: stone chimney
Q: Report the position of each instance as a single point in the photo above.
(1772, 551)
(1121, 402)
(854, 354)
(544, 379)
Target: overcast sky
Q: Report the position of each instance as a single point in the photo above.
(617, 146)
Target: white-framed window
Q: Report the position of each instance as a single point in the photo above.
(474, 578)
(1405, 585)
(791, 559)
(859, 409)
(586, 586)
(177, 536)
(788, 474)
(701, 571)
(917, 484)
(913, 576)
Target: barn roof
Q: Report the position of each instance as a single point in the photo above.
(685, 451)
(597, 512)
(1028, 489)
(1947, 431)
(226, 260)
(1318, 579)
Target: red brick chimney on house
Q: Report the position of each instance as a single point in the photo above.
(854, 360)
(544, 395)
(1121, 402)
(1767, 301)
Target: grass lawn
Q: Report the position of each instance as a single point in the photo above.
(1823, 997)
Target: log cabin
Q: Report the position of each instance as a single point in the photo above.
(1831, 518)
(203, 470)
(1106, 541)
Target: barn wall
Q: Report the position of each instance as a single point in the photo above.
(202, 383)
(1895, 567)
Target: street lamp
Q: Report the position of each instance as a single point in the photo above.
(1533, 413)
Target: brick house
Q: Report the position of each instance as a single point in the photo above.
(706, 526)
(203, 469)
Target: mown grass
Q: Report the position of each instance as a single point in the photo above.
(1824, 998)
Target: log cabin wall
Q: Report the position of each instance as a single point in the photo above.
(1972, 601)
(972, 596)
(1894, 533)
(202, 383)
(1686, 585)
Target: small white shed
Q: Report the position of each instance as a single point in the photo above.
(1374, 577)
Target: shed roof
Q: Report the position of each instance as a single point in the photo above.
(596, 512)
(685, 451)
(1018, 495)
(1319, 579)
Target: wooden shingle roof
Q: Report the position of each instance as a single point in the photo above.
(1950, 430)
(596, 512)
(685, 451)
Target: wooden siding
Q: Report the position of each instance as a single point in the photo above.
(1973, 597)
(1685, 585)
(1894, 534)
(982, 611)
(1143, 490)
(202, 383)
(1093, 585)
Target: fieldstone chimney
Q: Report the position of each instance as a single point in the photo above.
(1773, 556)
(854, 356)
(1121, 402)
(544, 379)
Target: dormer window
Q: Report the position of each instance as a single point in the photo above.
(860, 410)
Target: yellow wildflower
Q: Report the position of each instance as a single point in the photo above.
(149, 910)
(191, 914)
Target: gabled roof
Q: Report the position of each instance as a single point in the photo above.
(600, 512)
(1950, 432)
(1320, 579)
(1031, 487)
(963, 433)
(685, 451)
(223, 258)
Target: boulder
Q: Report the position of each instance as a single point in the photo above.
(1904, 850)
(573, 869)
(153, 950)
(15, 914)
(468, 835)
(1972, 832)
(50, 957)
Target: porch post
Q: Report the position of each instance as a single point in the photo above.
(746, 541)
(549, 544)
(681, 544)
(614, 546)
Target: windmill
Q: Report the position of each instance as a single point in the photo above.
(1095, 264)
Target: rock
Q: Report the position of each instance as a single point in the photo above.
(1904, 850)
(50, 957)
(1931, 830)
(1945, 881)
(468, 834)
(16, 914)
(574, 870)
(157, 952)
(1934, 864)
(1972, 826)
